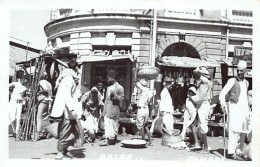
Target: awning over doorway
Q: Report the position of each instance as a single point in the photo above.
(95, 58)
(186, 62)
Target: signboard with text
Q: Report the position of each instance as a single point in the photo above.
(242, 53)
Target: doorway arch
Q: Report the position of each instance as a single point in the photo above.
(181, 49)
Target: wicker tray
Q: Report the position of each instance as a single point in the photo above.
(134, 143)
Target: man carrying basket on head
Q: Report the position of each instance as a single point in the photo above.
(202, 101)
(143, 110)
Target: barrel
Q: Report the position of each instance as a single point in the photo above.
(170, 139)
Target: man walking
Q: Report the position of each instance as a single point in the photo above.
(114, 97)
(64, 109)
(236, 88)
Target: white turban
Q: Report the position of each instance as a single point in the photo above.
(242, 64)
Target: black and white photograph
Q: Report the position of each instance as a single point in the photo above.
(131, 84)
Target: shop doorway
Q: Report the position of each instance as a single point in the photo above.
(179, 49)
(96, 72)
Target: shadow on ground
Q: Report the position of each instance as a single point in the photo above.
(78, 153)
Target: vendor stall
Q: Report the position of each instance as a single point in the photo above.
(34, 70)
(180, 70)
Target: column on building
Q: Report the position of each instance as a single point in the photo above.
(141, 49)
(214, 48)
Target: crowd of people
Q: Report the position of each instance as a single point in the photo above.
(80, 115)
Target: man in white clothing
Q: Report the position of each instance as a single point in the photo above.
(166, 107)
(166, 110)
(238, 110)
(16, 103)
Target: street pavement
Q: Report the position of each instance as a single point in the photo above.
(46, 149)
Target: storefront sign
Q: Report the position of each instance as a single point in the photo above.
(242, 53)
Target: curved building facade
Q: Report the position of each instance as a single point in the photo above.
(198, 34)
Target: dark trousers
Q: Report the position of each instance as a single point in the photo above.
(68, 133)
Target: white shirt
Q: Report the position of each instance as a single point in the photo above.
(18, 90)
(166, 102)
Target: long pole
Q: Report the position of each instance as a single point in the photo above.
(26, 50)
(152, 58)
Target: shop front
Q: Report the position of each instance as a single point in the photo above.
(229, 66)
(95, 67)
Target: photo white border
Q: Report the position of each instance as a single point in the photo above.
(6, 5)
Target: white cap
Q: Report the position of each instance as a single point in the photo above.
(242, 64)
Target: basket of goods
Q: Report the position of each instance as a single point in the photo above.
(148, 72)
(53, 129)
(175, 137)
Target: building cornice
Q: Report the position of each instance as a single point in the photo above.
(140, 17)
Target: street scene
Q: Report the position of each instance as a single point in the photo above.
(132, 84)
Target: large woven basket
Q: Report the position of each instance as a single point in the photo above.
(148, 72)
(53, 129)
(171, 139)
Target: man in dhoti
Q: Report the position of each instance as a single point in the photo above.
(65, 109)
(143, 110)
(238, 110)
(166, 109)
(113, 99)
(16, 103)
